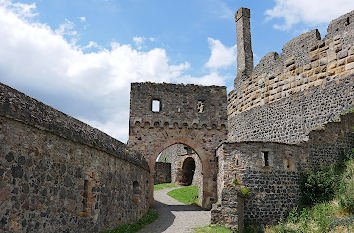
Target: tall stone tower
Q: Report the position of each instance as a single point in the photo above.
(244, 47)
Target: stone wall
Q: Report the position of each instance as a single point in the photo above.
(176, 154)
(290, 119)
(230, 211)
(58, 174)
(162, 173)
(192, 115)
(328, 143)
(305, 86)
(305, 61)
(275, 188)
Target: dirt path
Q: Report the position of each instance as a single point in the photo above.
(175, 216)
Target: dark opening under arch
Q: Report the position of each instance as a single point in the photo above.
(187, 173)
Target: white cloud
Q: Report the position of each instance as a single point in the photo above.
(140, 40)
(82, 19)
(35, 56)
(210, 79)
(66, 28)
(310, 12)
(221, 56)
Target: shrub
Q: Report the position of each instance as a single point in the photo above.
(346, 187)
(319, 185)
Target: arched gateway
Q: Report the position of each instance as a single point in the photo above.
(162, 115)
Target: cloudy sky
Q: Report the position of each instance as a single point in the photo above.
(80, 56)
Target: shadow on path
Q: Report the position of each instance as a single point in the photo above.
(175, 216)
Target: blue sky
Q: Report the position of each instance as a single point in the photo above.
(80, 56)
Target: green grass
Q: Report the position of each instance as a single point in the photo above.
(164, 186)
(187, 195)
(212, 229)
(148, 218)
(320, 217)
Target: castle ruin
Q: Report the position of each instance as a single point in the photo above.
(290, 112)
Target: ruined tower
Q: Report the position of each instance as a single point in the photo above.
(244, 47)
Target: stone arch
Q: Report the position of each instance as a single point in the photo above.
(179, 123)
(205, 194)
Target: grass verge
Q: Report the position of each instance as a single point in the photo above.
(164, 186)
(212, 229)
(147, 218)
(336, 215)
(187, 195)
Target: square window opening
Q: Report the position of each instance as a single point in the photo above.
(156, 106)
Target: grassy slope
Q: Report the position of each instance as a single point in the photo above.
(323, 216)
(187, 195)
(212, 229)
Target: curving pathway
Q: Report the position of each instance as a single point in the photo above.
(174, 216)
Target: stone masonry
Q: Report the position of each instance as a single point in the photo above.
(187, 114)
(291, 113)
(162, 173)
(58, 174)
(176, 155)
(307, 85)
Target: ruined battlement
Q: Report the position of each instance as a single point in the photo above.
(177, 106)
(305, 61)
(22, 108)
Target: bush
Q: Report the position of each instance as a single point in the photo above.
(319, 185)
(346, 187)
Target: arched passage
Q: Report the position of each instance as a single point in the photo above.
(206, 186)
(179, 121)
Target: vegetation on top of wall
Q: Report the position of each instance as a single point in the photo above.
(147, 218)
(187, 195)
(336, 215)
(165, 186)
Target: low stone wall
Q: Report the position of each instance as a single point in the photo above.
(58, 174)
(274, 181)
(162, 173)
(328, 143)
(230, 211)
(275, 187)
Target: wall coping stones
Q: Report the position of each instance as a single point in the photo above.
(20, 107)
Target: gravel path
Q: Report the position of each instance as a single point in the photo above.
(175, 216)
